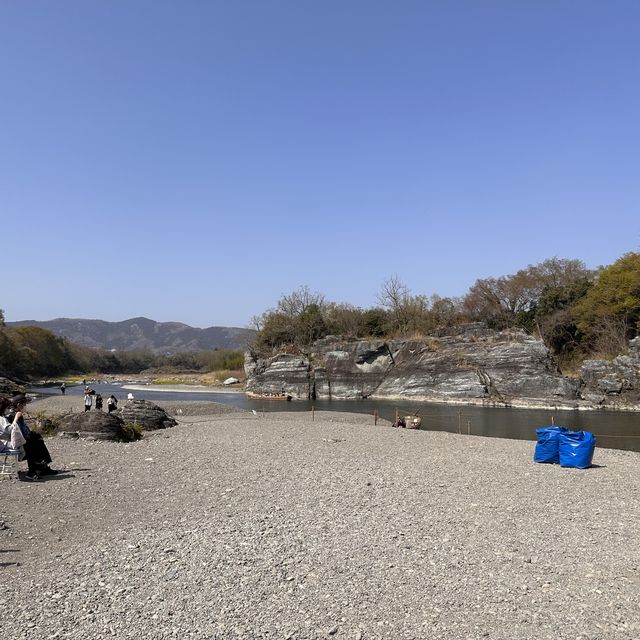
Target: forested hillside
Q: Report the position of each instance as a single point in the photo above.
(143, 334)
(27, 351)
(578, 312)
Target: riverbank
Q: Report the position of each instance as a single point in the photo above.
(243, 526)
(59, 405)
(184, 388)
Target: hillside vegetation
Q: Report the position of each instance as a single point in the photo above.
(143, 334)
(578, 312)
(27, 351)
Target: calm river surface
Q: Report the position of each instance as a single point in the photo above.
(616, 430)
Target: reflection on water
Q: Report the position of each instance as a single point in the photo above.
(618, 430)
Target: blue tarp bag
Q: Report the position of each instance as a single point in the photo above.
(547, 449)
(576, 449)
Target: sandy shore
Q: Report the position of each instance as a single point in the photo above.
(241, 526)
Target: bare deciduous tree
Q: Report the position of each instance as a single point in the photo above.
(611, 335)
(501, 300)
(393, 293)
(298, 301)
(394, 296)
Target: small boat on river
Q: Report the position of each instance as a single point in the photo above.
(268, 396)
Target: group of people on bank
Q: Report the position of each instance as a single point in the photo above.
(89, 394)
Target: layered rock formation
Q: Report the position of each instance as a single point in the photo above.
(613, 383)
(474, 365)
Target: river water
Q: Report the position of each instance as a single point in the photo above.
(617, 430)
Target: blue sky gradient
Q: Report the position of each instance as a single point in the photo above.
(193, 161)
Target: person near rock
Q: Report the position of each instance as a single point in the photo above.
(98, 402)
(112, 403)
(88, 400)
(35, 449)
(63, 388)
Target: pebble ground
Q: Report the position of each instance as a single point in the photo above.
(241, 526)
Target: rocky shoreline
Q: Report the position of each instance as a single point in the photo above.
(473, 365)
(232, 525)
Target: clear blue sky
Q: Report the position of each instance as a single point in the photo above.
(195, 160)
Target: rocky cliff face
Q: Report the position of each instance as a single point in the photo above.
(613, 383)
(474, 366)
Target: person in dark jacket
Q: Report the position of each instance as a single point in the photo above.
(112, 403)
(36, 452)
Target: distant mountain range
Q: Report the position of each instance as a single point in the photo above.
(143, 334)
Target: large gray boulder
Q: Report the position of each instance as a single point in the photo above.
(146, 414)
(93, 424)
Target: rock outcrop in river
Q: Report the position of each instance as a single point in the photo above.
(613, 383)
(474, 365)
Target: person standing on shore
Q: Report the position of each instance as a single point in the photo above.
(112, 403)
(98, 402)
(88, 401)
(63, 388)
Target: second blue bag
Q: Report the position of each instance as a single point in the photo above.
(576, 449)
(547, 449)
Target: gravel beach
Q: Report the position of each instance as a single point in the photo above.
(231, 525)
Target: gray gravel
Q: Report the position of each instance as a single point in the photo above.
(237, 526)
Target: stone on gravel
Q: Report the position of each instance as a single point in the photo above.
(147, 414)
(92, 424)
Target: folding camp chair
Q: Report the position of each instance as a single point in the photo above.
(9, 459)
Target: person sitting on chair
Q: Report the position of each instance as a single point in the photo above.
(5, 427)
(36, 452)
